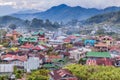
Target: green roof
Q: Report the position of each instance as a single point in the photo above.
(23, 39)
(39, 32)
(48, 65)
(33, 39)
(57, 60)
(84, 59)
(29, 39)
(76, 34)
(35, 33)
(98, 54)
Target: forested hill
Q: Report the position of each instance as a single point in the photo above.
(112, 17)
(5, 21)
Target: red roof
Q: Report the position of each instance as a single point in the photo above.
(62, 74)
(116, 48)
(72, 37)
(27, 46)
(14, 57)
(67, 40)
(51, 57)
(9, 35)
(55, 57)
(39, 47)
(42, 38)
(101, 45)
(99, 61)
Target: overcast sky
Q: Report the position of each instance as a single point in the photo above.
(45, 4)
(12, 6)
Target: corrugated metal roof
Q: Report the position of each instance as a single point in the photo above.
(98, 54)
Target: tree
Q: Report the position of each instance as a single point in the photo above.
(2, 33)
(85, 72)
(18, 73)
(27, 22)
(12, 26)
(48, 23)
(41, 74)
(4, 77)
(82, 61)
(37, 23)
(56, 25)
(101, 31)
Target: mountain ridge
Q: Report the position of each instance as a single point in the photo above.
(66, 13)
(112, 17)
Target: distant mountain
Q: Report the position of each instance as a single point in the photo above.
(5, 10)
(66, 13)
(7, 20)
(107, 23)
(111, 17)
(31, 11)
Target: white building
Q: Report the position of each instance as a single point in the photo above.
(31, 64)
(77, 54)
(6, 68)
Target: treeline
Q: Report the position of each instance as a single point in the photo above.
(41, 74)
(84, 72)
(113, 17)
(36, 23)
(12, 22)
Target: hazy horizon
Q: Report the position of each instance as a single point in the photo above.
(12, 6)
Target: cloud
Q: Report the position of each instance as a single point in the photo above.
(2, 3)
(45, 4)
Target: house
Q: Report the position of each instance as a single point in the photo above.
(26, 47)
(67, 40)
(40, 56)
(62, 74)
(98, 58)
(51, 58)
(38, 48)
(43, 39)
(101, 47)
(28, 40)
(61, 37)
(116, 61)
(39, 33)
(89, 42)
(77, 35)
(14, 35)
(15, 60)
(106, 39)
(114, 52)
(78, 42)
(31, 64)
(77, 54)
(54, 61)
(55, 42)
(118, 43)
(50, 66)
(65, 54)
(72, 37)
(6, 68)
